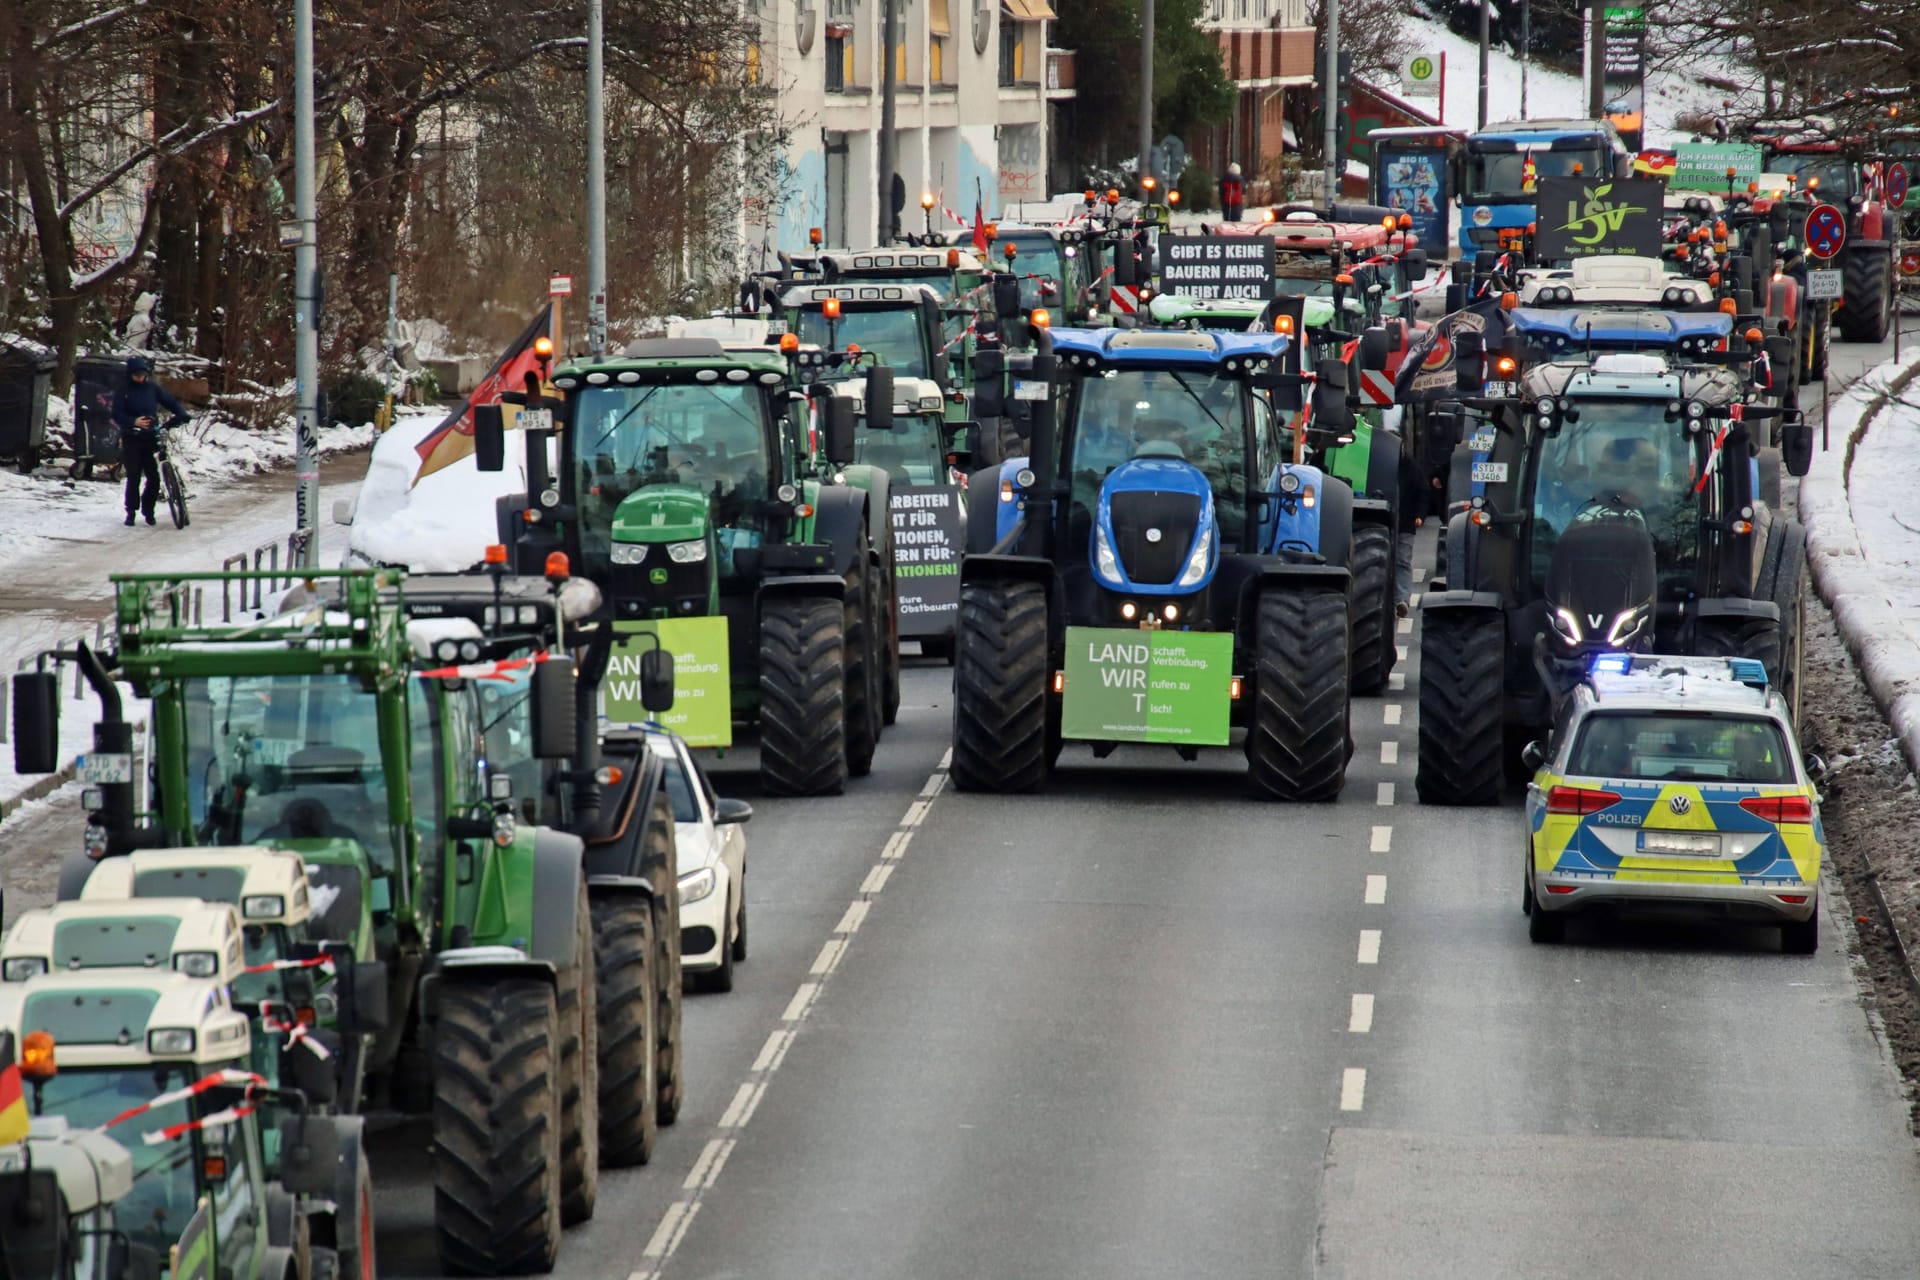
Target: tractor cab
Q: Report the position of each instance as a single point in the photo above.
(57, 1193)
(950, 271)
(1503, 165)
(1364, 270)
(1616, 282)
(198, 938)
(899, 324)
(920, 448)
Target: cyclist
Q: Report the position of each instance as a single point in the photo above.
(136, 411)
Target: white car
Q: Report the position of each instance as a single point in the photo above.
(713, 868)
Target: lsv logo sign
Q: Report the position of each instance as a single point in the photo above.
(1601, 217)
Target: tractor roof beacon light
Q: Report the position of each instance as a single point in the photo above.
(789, 342)
(1040, 319)
(813, 236)
(831, 308)
(496, 553)
(558, 567)
(37, 1060)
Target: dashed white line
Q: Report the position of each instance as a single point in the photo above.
(1376, 890)
(915, 813)
(1404, 626)
(1369, 946)
(773, 1050)
(934, 782)
(1398, 680)
(1353, 1088)
(829, 957)
(744, 1099)
(1385, 794)
(1389, 752)
(666, 1237)
(855, 917)
(1360, 1020)
(1382, 840)
(1402, 651)
(876, 879)
(706, 1170)
(802, 997)
(896, 846)
(946, 759)
(1390, 714)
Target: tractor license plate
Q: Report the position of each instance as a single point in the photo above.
(1691, 843)
(1029, 389)
(105, 768)
(1824, 286)
(536, 419)
(1483, 441)
(1489, 472)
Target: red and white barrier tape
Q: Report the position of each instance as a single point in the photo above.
(227, 1076)
(486, 670)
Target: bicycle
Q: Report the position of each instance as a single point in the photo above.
(172, 482)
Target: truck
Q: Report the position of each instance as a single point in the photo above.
(1503, 162)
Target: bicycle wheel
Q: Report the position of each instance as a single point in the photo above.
(176, 493)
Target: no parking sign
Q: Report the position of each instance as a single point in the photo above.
(1896, 184)
(1826, 231)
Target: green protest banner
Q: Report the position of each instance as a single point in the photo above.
(1702, 166)
(702, 711)
(1148, 686)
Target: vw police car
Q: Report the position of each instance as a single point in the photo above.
(1674, 783)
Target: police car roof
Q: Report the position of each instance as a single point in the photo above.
(1659, 682)
(1144, 347)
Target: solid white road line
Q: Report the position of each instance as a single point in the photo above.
(1376, 890)
(1389, 753)
(1369, 946)
(1353, 1088)
(1382, 840)
(1360, 1021)
(1390, 714)
(1385, 794)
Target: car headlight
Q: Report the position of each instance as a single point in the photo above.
(1567, 625)
(1196, 569)
(20, 968)
(696, 885)
(170, 1041)
(197, 964)
(628, 552)
(1626, 625)
(1104, 560)
(687, 552)
(263, 906)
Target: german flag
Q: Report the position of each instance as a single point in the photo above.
(13, 1106)
(452, 440)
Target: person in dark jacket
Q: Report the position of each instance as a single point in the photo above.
(136, 411)
(1232, 194)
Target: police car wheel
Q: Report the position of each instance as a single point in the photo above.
(1801, 937)
(1546, 926)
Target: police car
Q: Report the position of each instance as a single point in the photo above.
(1673, 783)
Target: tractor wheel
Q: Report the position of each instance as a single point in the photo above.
(803, 720)
(660, 867)
(1771, 465)
(886, 610)
(1782, 574)
(579, 1074)
(1000, 697)
(1372, 608)
(1298, 744)
(628, 998)
(1741, 638)
(864, 667)
(496, 1127)
(1866, 304)
(1462, 688)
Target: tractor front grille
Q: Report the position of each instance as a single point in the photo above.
(1151, 561)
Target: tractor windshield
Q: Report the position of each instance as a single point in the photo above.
(1502, 175)
(710, 436)
(1199, 412)
(1622, 458)
(281, 757)
(913, 452)
(164, 1196)
(506, 708)
(1038, 261)
(892, 333)
(1833, 173)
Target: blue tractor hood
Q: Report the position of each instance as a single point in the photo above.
(1552, 332)
(1154, 531)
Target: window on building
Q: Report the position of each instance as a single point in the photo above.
(841, 70)
(939, 32)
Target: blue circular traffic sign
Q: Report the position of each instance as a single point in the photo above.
(1826, 231)
(1896, 184)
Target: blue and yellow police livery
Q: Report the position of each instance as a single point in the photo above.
(1674, 783)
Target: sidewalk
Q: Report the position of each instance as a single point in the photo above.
(1861, 506)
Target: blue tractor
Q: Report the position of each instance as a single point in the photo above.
(1157, 568)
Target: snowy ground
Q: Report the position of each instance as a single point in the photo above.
(441, 524)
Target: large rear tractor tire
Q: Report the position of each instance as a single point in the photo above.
(623, 955)
(1866, 306)
(496, 1127)
(1297, 746)
(865, 666)
(1371, 612)
(1462, 684)
(1000, 697)
(1757, 638)
(803, 709)
(579, 1075)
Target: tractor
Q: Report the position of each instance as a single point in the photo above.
(57, 1194)
(1826, 168)
(1160, 571)
(1614, 498)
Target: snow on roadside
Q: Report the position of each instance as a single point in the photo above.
(446, 522)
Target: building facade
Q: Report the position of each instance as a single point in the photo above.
(1267, 48)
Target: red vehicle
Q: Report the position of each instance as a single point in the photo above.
(1827, 170)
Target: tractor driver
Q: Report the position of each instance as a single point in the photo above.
(1629, 473)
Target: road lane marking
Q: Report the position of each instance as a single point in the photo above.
(1353, 1088)
(896, 846)
(742, 1102)
(1389, 752)
(1376, 890)
(1390, 714)
(877, 878)
(855, 917)
(1369, 946)
(1382, 840)
(915, 813)
(1360, 1021)
(802, 997)
(1401, 650)
(935, 781)
(1404, 626)
(706, 1170)
(946, 760)
(773, 1050)
(1398, 680)
(672, 1226)
(1385, 795)
(829, 958)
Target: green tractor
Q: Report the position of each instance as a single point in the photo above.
(58, 1190)
(693, 495)
(311, 731)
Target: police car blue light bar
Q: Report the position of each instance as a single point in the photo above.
(1566, 329)
(1610, 664)
(1748, 671)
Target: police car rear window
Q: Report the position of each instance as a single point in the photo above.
(1681, 748)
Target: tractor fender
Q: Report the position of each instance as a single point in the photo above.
(804, 584)
(838, 516)
(1736, 607)
(1275, 572)
(340, 1225)
(1373, 511)
(1463, 538)
(278, 1264)
(619, 886)
(1336, 524)
(1383, 464)
(983, 508)
(1871, 241)
(613, 847)
(879, 516)
(1005, 568)
(1459, 600)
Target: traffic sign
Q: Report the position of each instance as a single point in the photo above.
(1826, 231)
(559, 286)
(1420, 76)
(1825, 286)
(1896, 184)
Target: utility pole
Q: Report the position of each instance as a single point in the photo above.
(596, 180)
(1146, 94)
(1485, 43)
(884, 153)
(306, 297)
(1330, 103)
(1526, 51)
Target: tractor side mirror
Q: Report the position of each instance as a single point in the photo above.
(1534, 756)
(553, 709)
(839, 434)
(942, 367)
(656, 680)
(1006, 297)
(1796, 448)
(310, 1073)
(1413, 267)
(309, 1154)
(1374, 346)
(489, 437)
(1124, 274)
(36, 722)
(989, 384)
(959, 453)
(879, 398)
(1331, 411)
(363, 998)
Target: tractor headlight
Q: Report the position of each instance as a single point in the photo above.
(1544, 406)
(20, 968)
(470, 650)
(1289, 482)
(170, 1041)
(1104, 560)
(1696, 409)
(197, 964)
(1196, 570)
(263, 906)
(503, 829)
(687, 552)
(1567, 625)
(788, 494)
(1024, 478)
(628, 552)
(1626, 625)
(697, 885)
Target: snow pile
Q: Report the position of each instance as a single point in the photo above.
(446, 522)
(1863, 541)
